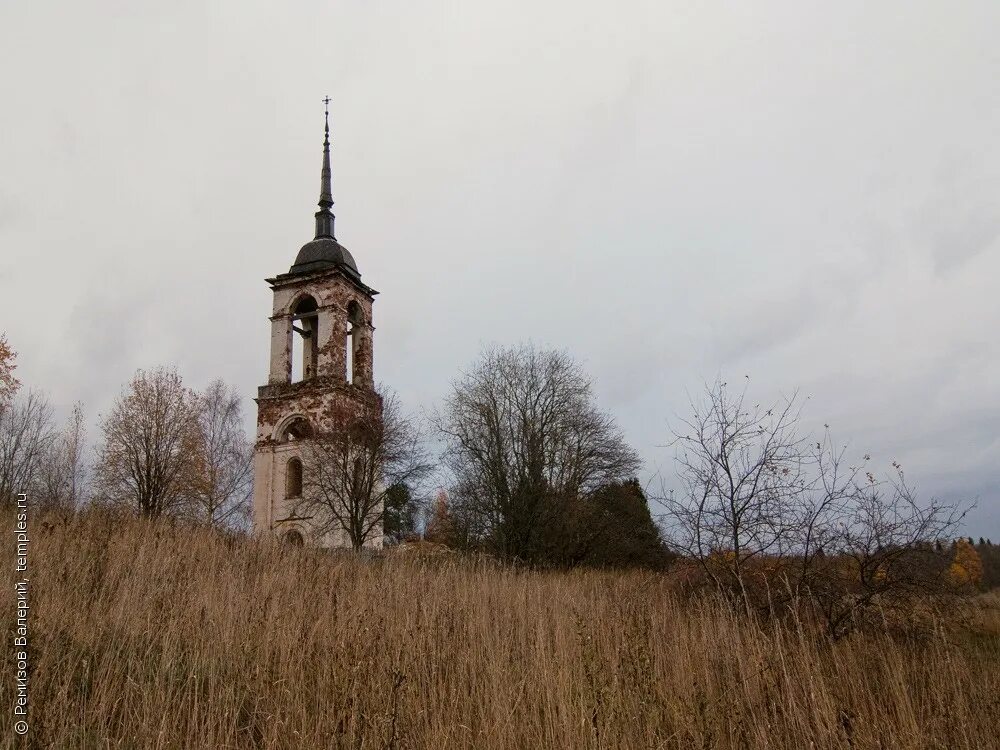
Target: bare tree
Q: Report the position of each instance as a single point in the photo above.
(147, 460)
(524, 437)
(63, 474)
(225, 458)
(9, 385)
(74, 444)
(878, 550)
(773, 517)
(744, 471)
(26, 433)
(352, 463)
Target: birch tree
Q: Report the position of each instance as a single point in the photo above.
(150, 443)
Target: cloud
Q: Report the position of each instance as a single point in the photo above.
(959, 219)
(804, 195)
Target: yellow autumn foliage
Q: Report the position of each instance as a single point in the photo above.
(966, 567)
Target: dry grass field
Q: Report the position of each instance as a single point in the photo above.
(147, 635)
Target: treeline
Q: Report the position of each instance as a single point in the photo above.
(163, 448)
(532, 471)
(37, 456)
(612, 528)
(989, 556)
(535, 471)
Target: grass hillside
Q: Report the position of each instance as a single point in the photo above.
(149, 635)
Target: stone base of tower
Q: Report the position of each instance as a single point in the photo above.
(289, 415)
(275, 517)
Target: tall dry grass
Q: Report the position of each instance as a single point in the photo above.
(146, 635)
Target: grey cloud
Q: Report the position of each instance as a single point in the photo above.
(962, 217)
(803, 194)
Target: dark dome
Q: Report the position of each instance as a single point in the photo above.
(322, 254)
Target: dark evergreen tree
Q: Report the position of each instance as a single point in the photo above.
(625, 534)
(400, 516)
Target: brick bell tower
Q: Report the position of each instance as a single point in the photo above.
(321, 360)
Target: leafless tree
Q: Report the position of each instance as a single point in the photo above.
(774, 517)
(9, 385)
(352, 463)
(225, 458)
(524, 437)
(147, 460)
(744, 473)
(878, 550)
(63, 474)
(26, 432)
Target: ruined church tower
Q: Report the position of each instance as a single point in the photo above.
(321, 360)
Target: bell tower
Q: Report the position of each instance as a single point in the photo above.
(321, 362)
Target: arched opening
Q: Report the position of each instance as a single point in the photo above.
(305, 324)
(293, 538)
(355, 327)
(293, 478)
(297, 429)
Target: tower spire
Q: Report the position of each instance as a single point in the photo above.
(325, 217)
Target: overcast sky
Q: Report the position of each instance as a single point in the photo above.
(805, 193)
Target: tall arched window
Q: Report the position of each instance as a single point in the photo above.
(293, 478)
(355, 322)
(294, 538)
(305, 323)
